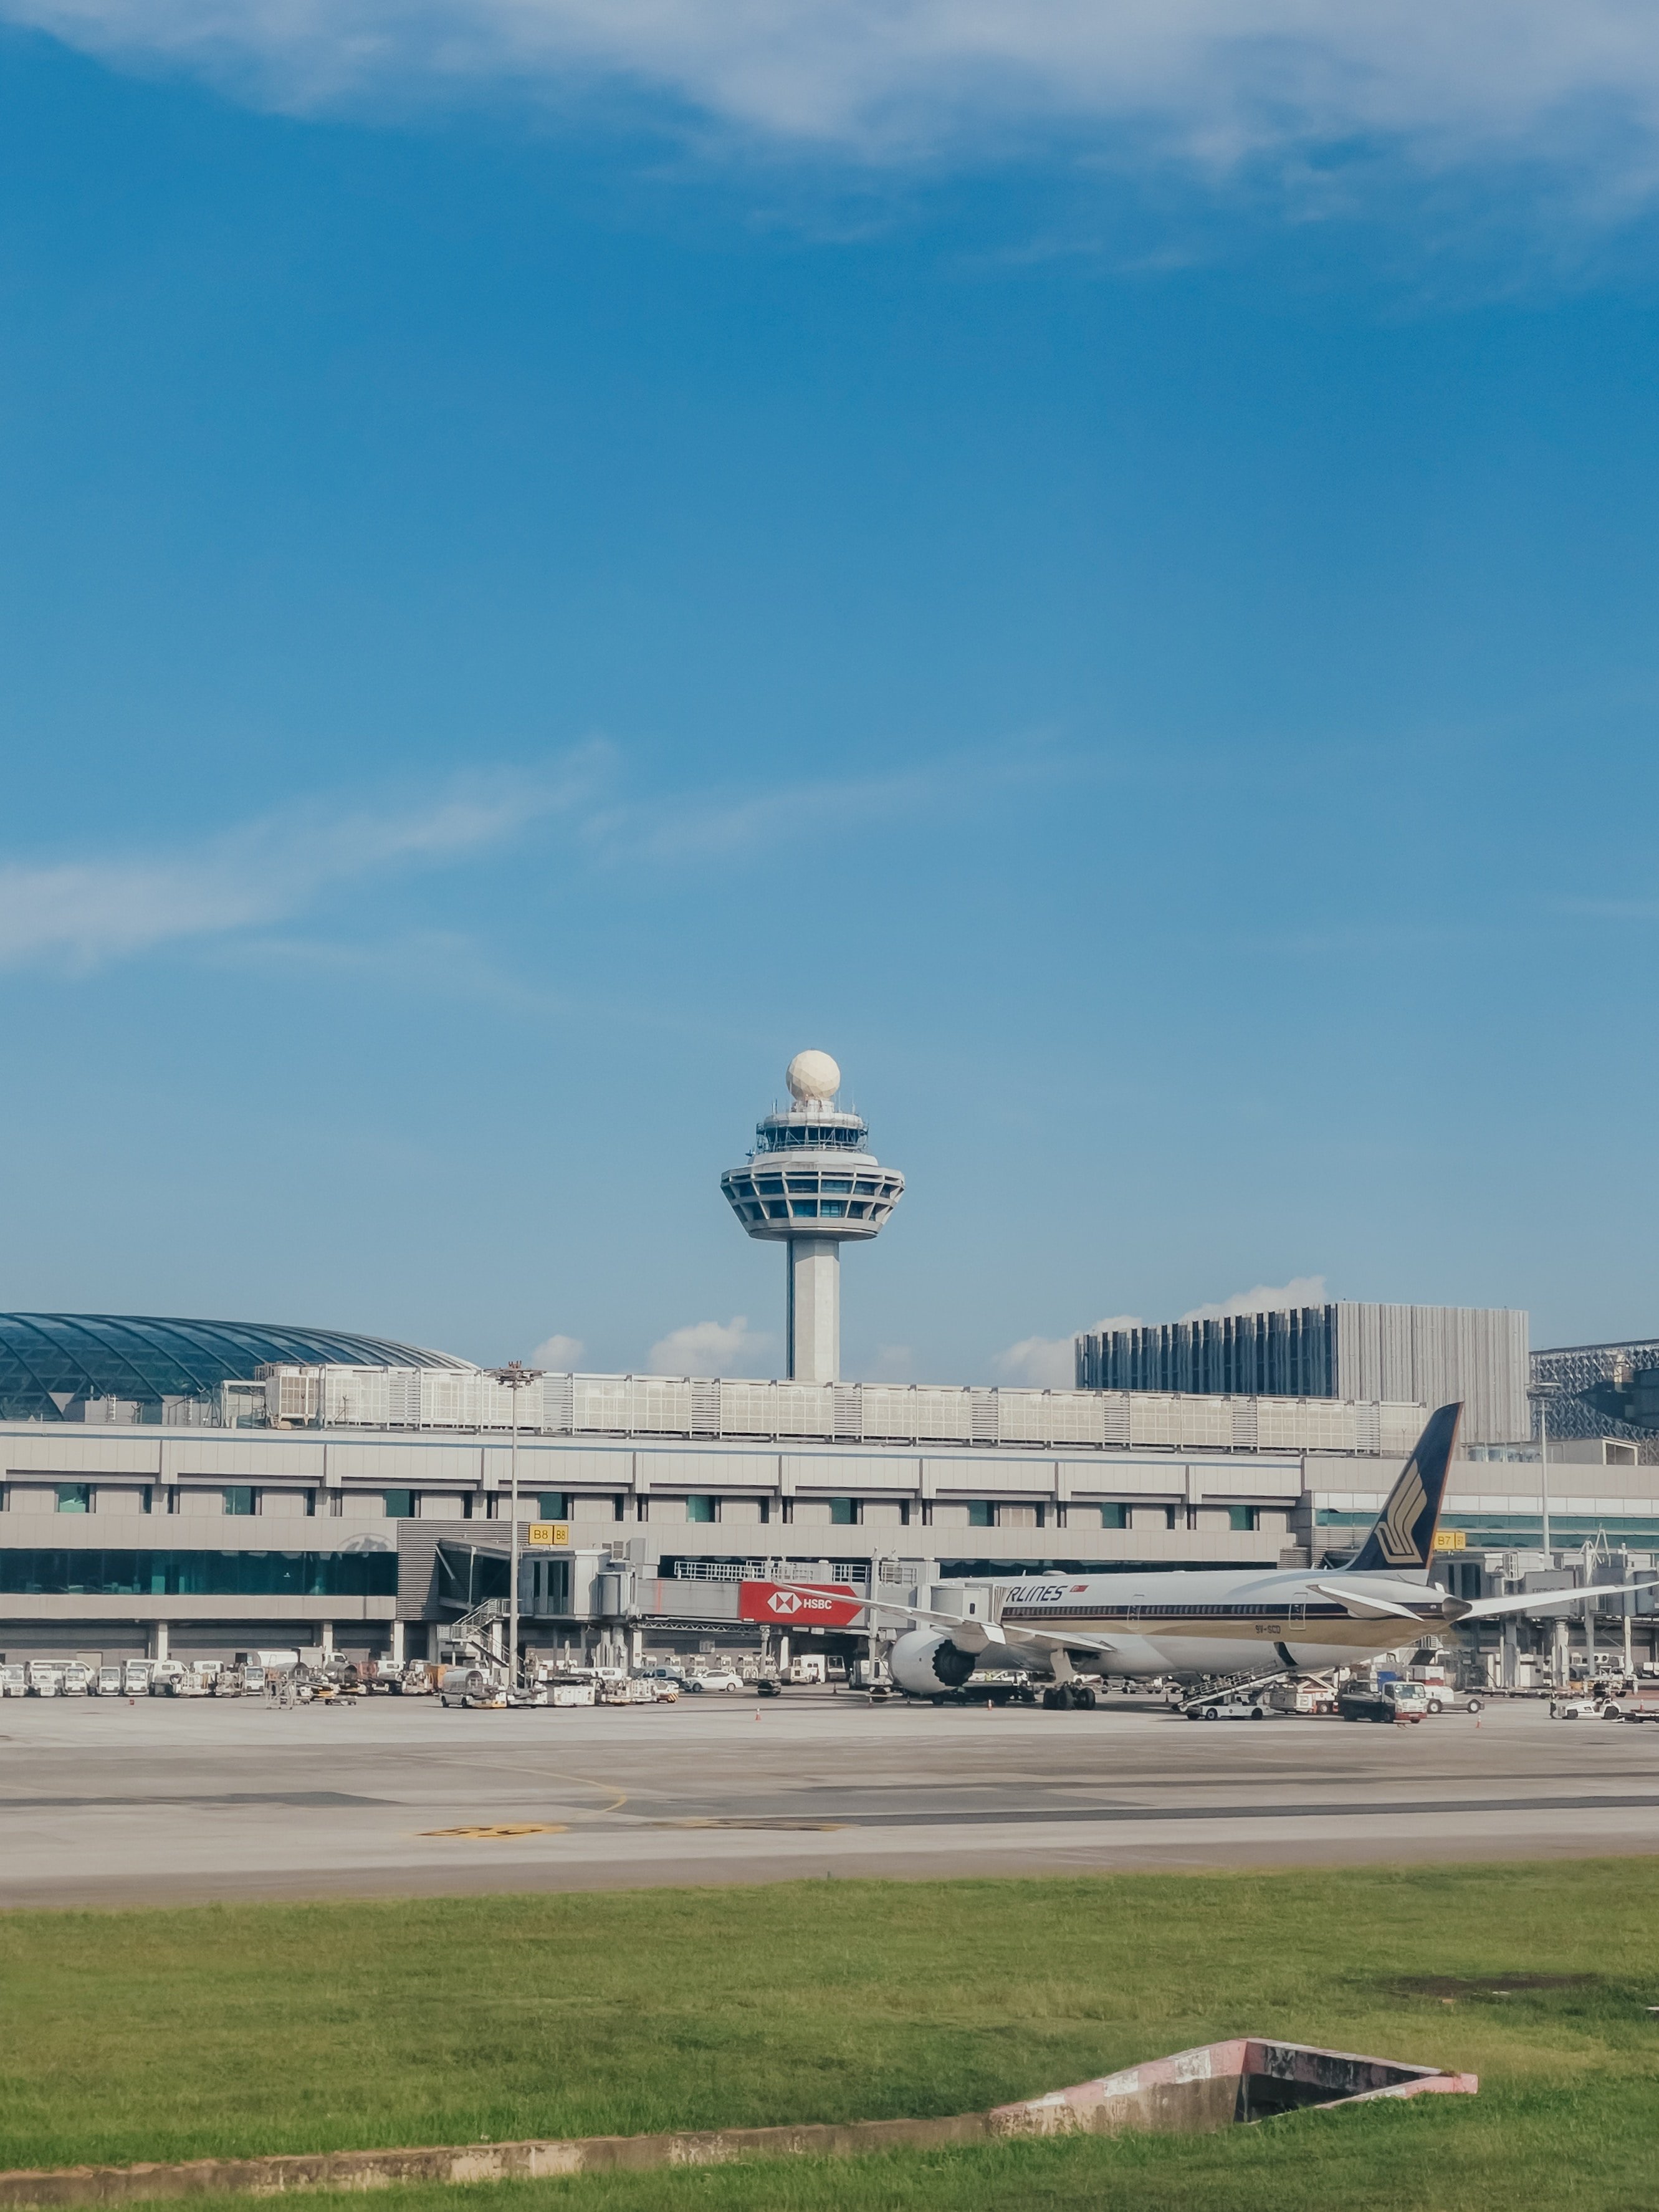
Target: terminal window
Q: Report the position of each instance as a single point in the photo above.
(981, 1513)
(399, 1504)
(1114, 1516)
(843, 1513)
(1243, 1516)
(75, 1498)
(553, 1504)
(36, 1573)
(700, 1509)
(239, 1499)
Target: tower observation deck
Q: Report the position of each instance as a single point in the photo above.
(810, 1184)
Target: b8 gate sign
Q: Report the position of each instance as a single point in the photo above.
(549, 1535)
(800, 1605)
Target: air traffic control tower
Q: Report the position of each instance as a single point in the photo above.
(810, 1184)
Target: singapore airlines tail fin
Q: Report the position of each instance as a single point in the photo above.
(1403, 1538)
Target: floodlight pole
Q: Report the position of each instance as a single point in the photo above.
(515, 1374)
(1541, 1394)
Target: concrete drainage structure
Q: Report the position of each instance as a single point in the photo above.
(1193, 2091)
(1220, 2083)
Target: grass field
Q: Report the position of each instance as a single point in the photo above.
(247, 2028)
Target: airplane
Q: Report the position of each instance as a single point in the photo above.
(1220, 1621)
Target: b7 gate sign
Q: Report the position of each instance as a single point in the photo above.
(800, 1605)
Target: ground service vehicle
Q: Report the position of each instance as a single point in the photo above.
(1233, 1708)
(44, 1681)
(109, 1682)
(1379, 1705)
(724, 1679)
(76, 1679)
(1302, 1698)
(134, 1678)
(472, 1687)
(1590, 1707)
(14, 1682)
(568, 1692)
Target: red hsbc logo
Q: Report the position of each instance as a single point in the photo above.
(817, 1605)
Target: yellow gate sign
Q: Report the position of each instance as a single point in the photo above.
(548, 1535)
(1450, 1539)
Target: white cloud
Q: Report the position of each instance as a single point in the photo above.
(559, 1355)
(707, 1347)
(1214, 81)
(894, 1363)
(1300, 1291)
(81, 912)
(1049, 1363)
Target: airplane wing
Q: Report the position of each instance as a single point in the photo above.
(973, 1634)
(1361, 1605)
(1047, 1640)
(1483, 1609)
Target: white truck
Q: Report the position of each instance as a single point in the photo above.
(14, 1682)
(77, 1679)
(134, 1678)
(44, 1679)
(107, 1684)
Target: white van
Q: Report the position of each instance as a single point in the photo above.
(77, 1680)
(108, 1683)
(134, 1678)
(46, 1680)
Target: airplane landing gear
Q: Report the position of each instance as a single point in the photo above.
(1068, 1697)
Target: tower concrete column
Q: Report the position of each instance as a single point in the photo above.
(814, 1310)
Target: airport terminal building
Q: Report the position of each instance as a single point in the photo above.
(178, 1488)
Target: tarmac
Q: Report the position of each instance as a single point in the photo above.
(107, 1802)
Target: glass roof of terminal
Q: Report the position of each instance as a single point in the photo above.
(49, 1360)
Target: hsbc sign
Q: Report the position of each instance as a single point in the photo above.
(806, 1604)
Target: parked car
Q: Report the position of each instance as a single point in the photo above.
(715, 1678)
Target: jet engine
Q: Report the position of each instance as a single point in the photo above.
(925, 1664)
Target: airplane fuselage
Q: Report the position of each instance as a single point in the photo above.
(1221, 1622)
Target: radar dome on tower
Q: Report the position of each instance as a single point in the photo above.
(812, 1077)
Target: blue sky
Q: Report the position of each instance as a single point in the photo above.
(1102, 571)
